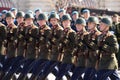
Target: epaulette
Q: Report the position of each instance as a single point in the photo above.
(46, 27)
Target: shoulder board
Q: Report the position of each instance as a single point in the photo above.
(34, 27)
(98, 33)
(86, 33)
(59, 28)
(47, 27)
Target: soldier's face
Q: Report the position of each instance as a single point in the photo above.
(9, 20)
(3, 16)
(79, 27)
(66, 23)
(91, 25)
(53, 21)
(14, 12)
(86, 15)
(61, 14)
(75, 16)
(37, 13)
(42, 22)
(103, 27)
(115, 19)
(28, 21)
(20, 19)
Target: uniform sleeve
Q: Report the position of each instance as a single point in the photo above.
(47, 34)
(111, 45)
(15, 33)
(2, 33)
(72, 38)
(35, 32)
(92, 44)
(59, 35)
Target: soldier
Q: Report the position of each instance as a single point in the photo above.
(11, 35)
(80, 49)
(2, 38)
(44, 37)
(21, 34)
(3, 21)
(61, 13)
(2, 41)
(11, 42)
(116, 28)
(75, 16)
(91, 43)
(20, 17)
(108, 47)
(14, 11)
(37, 12)
(86, 14)
(68, 47)
(31, 36)
(57, 33)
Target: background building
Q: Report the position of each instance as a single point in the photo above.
(49, 5)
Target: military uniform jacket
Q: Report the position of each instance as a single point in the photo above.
(91, 43)
(81, 47)
(107, 52)
(44, 42)
(11, 40)
(117, 33)
(21, 44)
(68, 45)
(2, 38)
(31, 38)
(56, 36)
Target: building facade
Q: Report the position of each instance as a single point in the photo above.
(49, 5)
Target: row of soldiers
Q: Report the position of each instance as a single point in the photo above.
(88, 50)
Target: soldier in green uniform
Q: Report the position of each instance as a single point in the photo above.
(11, 35)
(31, 36)
(116, 28)
(68, 47)
(80, 49)
(2, 41)
(21, 34)
(68, 40)
(11, 41)
(2, 38)
(57, 33)
(44, 37)
(108, 47)
(20, 17)
(91, 43)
